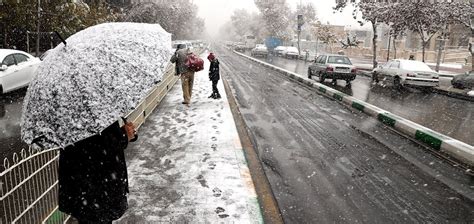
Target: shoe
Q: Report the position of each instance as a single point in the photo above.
(218, 96)
(184, 102)
(212, 96)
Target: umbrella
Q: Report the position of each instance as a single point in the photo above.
(99, 76)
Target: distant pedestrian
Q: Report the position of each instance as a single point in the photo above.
(412, 57)
(214, 75)
(187, 76)
(93, 181)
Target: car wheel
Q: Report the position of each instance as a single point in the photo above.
(309, 73)
(322, 77)
(396, 83)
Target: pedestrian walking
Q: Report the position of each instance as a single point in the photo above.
(214, 75)
(187, 75)
(92, 176)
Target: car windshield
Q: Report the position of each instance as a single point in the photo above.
(415, 66)
(339, 60)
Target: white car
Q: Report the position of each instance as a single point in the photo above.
(260, 50)
(16, 69)
(280, 50)
(401, 72)
(292, 52)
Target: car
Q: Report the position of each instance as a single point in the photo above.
(333, 67)
(280, 50)
(16, 69)
(400, 72)
(292, 52)
(463, 81)
(240, 47)
(259, 51)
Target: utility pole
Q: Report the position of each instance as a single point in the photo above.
(38, 29)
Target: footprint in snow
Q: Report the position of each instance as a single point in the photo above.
(216, 192)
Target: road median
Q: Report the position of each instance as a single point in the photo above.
(438, 142)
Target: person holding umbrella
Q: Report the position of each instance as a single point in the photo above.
(76, 103)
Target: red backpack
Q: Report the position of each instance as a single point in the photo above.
(194, 63)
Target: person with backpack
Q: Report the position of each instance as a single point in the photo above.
(187, 75)
(214, 75)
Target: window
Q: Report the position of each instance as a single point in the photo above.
(395, 64)
(9, 60)
(20, 58)
(323, 60)
(339, 60)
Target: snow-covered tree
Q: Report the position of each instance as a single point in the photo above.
(177, 17)
(463, 13)
(275, 15)
(65, 16)
(372, 12)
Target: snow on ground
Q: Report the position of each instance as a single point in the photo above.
(188, 165)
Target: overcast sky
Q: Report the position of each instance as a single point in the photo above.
(217, 12)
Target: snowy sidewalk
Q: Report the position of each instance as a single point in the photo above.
(188, 165)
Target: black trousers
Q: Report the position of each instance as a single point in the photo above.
(214, 86)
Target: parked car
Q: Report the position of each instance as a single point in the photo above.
(401, 72)
(280, 50)
(464, 81)
(259, 51)
(240, 47)
(333, 67)
(16, 69)
(292, 52)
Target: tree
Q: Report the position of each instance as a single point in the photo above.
(275, 15)
(425, 19)
(463, 13)
(66, 17)
(372, 12)
(177, 17)
(325, 34)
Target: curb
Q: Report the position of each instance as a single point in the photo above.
(266, 199)
(439, 142)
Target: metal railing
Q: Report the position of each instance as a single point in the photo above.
(29, 184)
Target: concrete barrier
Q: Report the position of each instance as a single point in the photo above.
(437, 141)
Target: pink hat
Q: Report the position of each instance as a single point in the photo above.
(211, 56)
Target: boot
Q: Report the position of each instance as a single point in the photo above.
(218, 96)
(213, 95)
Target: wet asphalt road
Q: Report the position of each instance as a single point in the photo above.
(10, 115)
(450, 116)
(327, 164)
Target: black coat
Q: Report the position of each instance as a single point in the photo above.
(214, 70)
(93, 181)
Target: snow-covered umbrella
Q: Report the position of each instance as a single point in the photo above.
(99, 76)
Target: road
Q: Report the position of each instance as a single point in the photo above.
(450, 116)
(326, 164)
(10, 115)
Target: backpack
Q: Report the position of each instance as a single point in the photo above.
(194, 63)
